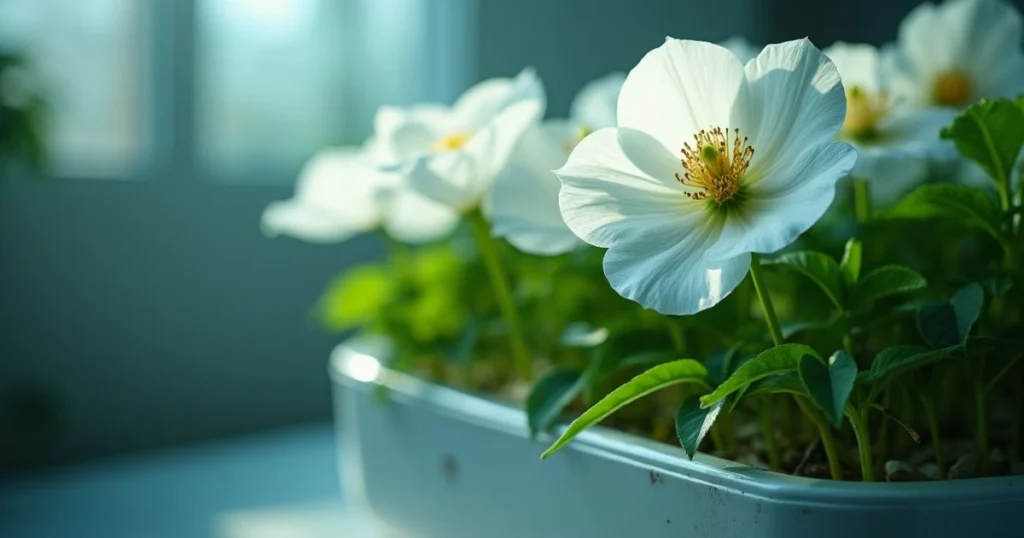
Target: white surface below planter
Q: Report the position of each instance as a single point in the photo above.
(434, 462)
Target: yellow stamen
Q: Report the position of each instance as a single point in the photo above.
(451, 142)
(581, 133)
(863, 112)
(952, 89)
(717, 164)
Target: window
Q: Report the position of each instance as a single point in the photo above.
(229, 90)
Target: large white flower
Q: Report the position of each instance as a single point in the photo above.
(341, 193)
(452, 154)
(957, 53)
(711, 161)
(524, 200)
(895, 143)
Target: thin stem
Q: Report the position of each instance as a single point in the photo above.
(862, 200)
(981, 435)
(764, 414)
(503, 294)
(825, 434)
(883, 431)
(766, 301)
(933, 431)
(860, 430)
(675, 332)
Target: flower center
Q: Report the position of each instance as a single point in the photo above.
(952, 89)
(715, 164)
(581, 133)
(863, 112)
(450, 142)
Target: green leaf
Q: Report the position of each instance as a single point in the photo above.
(356, 296)
(949, 324)
(788, 382)
(829, 386)
(694, 422)
(820, 268)
(961, 203)
(850, 264)
(777, 360)
(896, 360)
(990, 133)
(659, 377)
(647, 359)
(549, 397)
(885, 281)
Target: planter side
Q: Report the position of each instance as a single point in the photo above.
(434, 462)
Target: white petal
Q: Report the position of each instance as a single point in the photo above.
(448, 178)
(608, 196)
(595, 105)
(493, 145)
(524, 200)
(481, 103)
(402, 133)
(336, 196)
(778, 209)
(858, 65)
(797, 102)
(672, 274)
(680, 88)
(412, 218)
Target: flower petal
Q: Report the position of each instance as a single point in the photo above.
(680, 88)
(412, 218)
(493, 145)
(797, 102)
(449, 178)
(481, 103)
(402, 133)
(594, 107)
(778, 209)
(336, 197)
(858, 65)
(673, 274)
(611, 193)
(743, 49)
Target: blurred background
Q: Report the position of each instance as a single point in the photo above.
(140, 306)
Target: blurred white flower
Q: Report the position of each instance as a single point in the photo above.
(341, 193)
(711, 161)
(452, 154)
(743, 49)
(524, 201)
(895, 143)
(956, 53)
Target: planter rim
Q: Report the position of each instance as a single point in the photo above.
(355, 369)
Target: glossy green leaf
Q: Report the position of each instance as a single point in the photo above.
(886, 281)
(788, 382)
(777, 360)
(967, 205)
(694, 422)
(990, 133)
(356, 296)
(949, 324)
(659, 377)
(850, 264)
(549, 397)
(829, 386)
(820, 268)
(895, 361)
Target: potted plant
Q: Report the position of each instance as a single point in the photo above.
(811, 271)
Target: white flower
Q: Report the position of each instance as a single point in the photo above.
(957, 53)
(524, 200)
(895, 143)
(743, 49)
(711, 161)
(341, 193)
(452, 154)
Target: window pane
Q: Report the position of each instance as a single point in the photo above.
(86, 57)
(269, 84)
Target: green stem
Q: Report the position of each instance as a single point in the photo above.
(503, 294)
(981, 420)
(825, 434)
(862, 200)
(883, 431)
(764, 413)
(860, 430)
(933, 431)
(675, 332)
(766, 301)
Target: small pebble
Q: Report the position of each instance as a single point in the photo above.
(897, 471)
(966, 466)
(931, 470)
